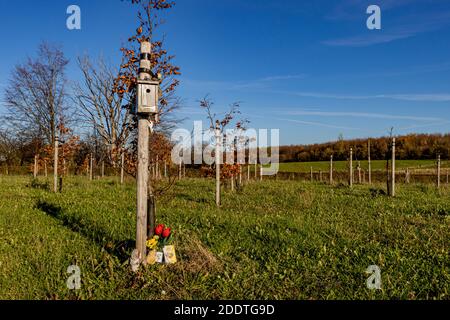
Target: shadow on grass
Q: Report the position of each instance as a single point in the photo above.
(192, 199)
(119, 248)
(36, 184)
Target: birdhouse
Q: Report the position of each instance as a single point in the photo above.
(147, 96)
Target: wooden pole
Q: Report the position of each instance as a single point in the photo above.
(35, 171)
(369, 162)
(240, 175)
(218, 162)
(45, 168)
(248, 172)
(256, 169)
(393, 169)
(179, 171)
(439, 171)
(260, 172)
(103, 169)
(142, 186)
(165, 169)
(122, 167)
(311, 173)
(359, 172)
(407, 176)
(331, 169)
(351, 168)
(55, 166)
(90, 167)
(157, 167)
(232, 182)
(60, 184)
(142, 178)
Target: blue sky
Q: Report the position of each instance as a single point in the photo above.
(310, 68)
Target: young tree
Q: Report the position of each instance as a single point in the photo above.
(102, 108)
(150, 15)
(219, 125)
(35, 96)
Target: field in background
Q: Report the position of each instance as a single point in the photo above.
(343, 165)
(271, 240)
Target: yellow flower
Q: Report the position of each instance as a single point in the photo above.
(151, 244)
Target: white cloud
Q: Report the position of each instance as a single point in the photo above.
(308, 123)
(434, 97)
(240, 85)
(409, 26)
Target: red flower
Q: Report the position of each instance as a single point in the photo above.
(166, 233)
(159, 229)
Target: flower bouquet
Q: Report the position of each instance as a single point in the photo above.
(161, 240)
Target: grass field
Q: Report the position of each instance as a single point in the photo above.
(271, 240)
(343, 165)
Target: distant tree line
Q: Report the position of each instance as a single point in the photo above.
(408, 147)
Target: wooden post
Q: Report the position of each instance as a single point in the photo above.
(359, 172)
(157, 167)
(311, 172)
(256, 169)
(407, 176)
(240, 175)
(184, 170)
(60, 184)
(260, 172)
(122, 166)
(45, 168)
(331, 169)
(218, 161)
(35, 171)
(232, 182)
(179, 171)
(142, 178)
(103, 169)
(447, 176)
(439, 171)
(55, 166)
(90, 167)
(369, 162)
(142, 186)
(248, 172)
(393, 169)
(351, 168)
(320, 175)
(165, 169)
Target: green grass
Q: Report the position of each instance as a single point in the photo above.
(343, 165)
(272, 240)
